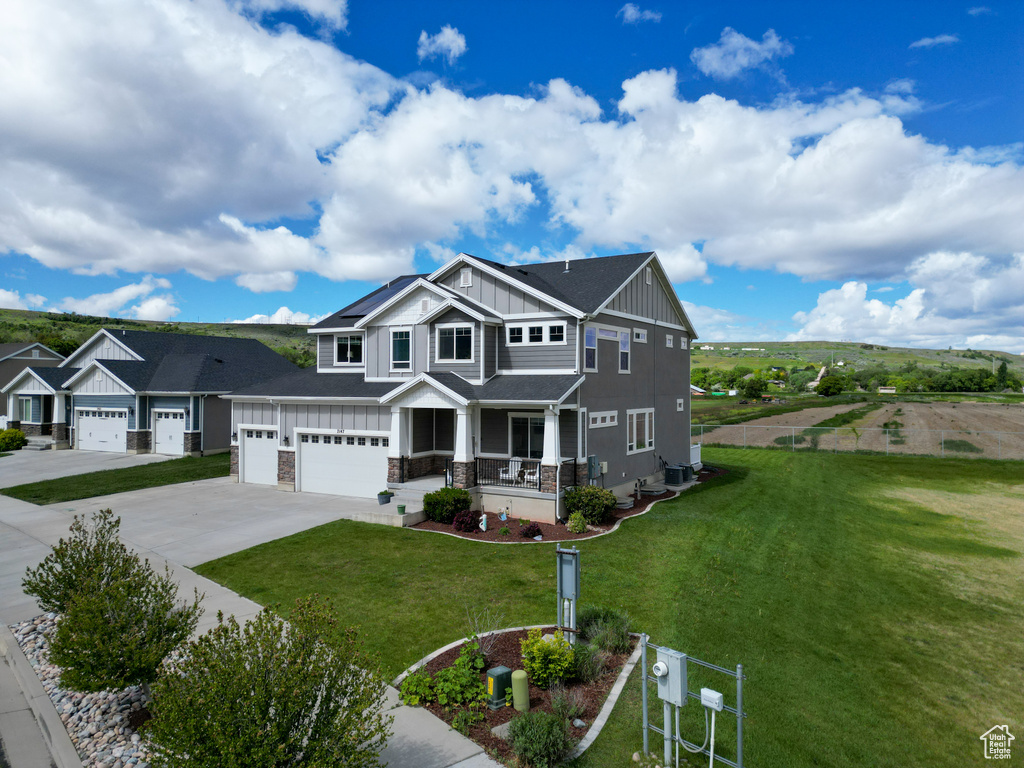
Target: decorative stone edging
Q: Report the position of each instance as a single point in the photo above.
(613, 529)
(609, 703)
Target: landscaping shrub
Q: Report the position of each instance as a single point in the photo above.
(594, 503)
(530, 530)
(12, 440)
(567, 703)
(546, 659)
(577, 523)
(442, 505)
(466, 521)
(272, 693)
(453, 686)
(588, 662)
(605, 628)
(417, 688)
(539, 739)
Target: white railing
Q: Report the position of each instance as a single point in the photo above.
(695, 457)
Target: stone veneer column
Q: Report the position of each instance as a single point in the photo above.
(32, 430)
(394, 469)
(464, 474)
(286, 469)
(139, 441)
(60, 432)
(548, 478)
(234, 461)
(193, 442)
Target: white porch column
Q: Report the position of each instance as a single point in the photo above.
(399, 433)
(58, 408)
(550, 436)
(463, 435)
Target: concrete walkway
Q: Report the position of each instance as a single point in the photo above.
(33, 466)
(190, 523)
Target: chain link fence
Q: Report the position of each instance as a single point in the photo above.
(945, 443)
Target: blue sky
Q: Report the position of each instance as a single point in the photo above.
(842, 170)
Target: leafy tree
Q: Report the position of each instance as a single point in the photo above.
(1002, 375)
(272, 693)
(754, 387)
(829, 386)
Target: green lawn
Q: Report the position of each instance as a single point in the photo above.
(874, 602)
(119, 480)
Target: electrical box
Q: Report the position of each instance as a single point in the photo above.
(604, 467)
(593, 467)
(671, 684)
(568, 576)
(499, 680)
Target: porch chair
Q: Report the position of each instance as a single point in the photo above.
(511, 473)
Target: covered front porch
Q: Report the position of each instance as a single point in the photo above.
(38, 406)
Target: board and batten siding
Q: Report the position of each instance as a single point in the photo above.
(639, 298)
(252, 413)
(492, 341)
(99, 383)
(567, 435)
(368, 418)
(101, 349)
(377, 352)
(32, 385)
(120, 402)
(539, 356)
(494, 293)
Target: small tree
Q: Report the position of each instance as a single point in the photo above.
(754, 387)
(829, 386)
(271, 694)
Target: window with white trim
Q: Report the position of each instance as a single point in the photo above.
(668, 340)
(401, 349)
(624, 352)
(589, 349)
(683, 344)
(538, 332)
(349, 349)
(604, 419)
(25, 408)
(680, 404)
(640, 335)
(455, 343)
(639, 430)
(466, 278)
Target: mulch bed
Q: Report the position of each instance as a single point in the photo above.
(556, 532)
(507, 652)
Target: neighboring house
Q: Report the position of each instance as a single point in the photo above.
(14, 357)
(500, 379)
(142, 392)
(695, 390)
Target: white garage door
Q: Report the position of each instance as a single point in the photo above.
(169, 433)
(343, 465)
(258, 456)
(102, 431)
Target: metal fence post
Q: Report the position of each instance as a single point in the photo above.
(643, 682)
(793, 444)
(739, 715)
(1000, 436)
(835, 439)
(942, 441)
(887, 442)
(744, 435)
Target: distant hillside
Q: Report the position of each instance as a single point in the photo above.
(65, 332)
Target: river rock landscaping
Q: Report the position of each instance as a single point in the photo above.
(102, 726)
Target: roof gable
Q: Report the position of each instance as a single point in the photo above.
(16, 349)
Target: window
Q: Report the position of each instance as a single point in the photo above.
(624, 352)
(315, 438)
(515, 335)
(339, 440)
(668, 340)
(302, 438)
(556, 333)
(536, 335)
(683, 344)
(25, 407)
(350, 350)
(401, 350)
(527, 433)
(350, 441)
(590, 349)
(648, 273)
(455, 343)
(526, 333)
(640, 430)
(680, 404)
(639, 335)
(604, 419)
(384, 441)
(362, 441)
(374, 442)
(466, 278)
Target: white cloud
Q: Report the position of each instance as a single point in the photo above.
(735, 52)
(979, 10)
(283, 316)
(712, 323)
(931, 42)
(155, 308)
(334, 13)
(14, 300)
(448, 44)
(268, 281)
(631, 14)
(112, 303)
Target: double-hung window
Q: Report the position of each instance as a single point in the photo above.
(455, 343)
(25, 406)
(539, 332)
(350, 349)
(401, 350)
(590, 349)
(639, 430)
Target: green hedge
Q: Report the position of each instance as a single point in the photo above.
(595, 504)
(442, 505)
(12, 440)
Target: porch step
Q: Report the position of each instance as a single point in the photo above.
(38, 444)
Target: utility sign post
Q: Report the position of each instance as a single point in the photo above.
(567, 570)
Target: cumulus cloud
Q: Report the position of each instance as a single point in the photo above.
(155, 308)
(712, 323)
(333, 13)
(283, 316)
(14, 300)
(631, 14)
(931, 42)
(112, 303)
(735, 52)
(449, 44)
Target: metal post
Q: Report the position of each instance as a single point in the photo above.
(835, 439)
(643, 686)
(744, 435)
(886, 442)
(668, 733)
(1000, 436)
(793, 443)
(942, 439)
(739, 715)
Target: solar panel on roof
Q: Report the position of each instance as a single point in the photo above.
(370, 303)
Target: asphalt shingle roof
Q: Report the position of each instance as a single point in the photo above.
(539, 388)
(308, 383)
(13, 347)
(55, 377)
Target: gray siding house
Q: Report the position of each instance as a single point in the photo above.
(142, 392)
(500, 379)
(14, 358)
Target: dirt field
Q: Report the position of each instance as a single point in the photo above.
(967, 430)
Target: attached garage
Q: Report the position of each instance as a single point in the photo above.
(101, 430)
(258, 456)
(342, 465)
(169, 432)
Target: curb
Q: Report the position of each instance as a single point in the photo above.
(55, 735)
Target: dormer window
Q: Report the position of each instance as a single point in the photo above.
(466, 278)
(349, 349)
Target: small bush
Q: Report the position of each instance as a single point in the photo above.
(567, 703)
(460, 684)
(417, 689)
(466, 521)
(442, 505)
(504, 531)
(594, 503)
(539, 739)
(605, 628)
(546, 660)
(589, 662)
(577, 523)
(12, 440)
(529, 531)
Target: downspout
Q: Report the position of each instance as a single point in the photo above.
(202, 424)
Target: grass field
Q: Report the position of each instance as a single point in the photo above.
(119, 480)
(874, 602)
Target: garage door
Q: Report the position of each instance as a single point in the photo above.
(258, 456)
(343, 465)
(169, 433)
(102, 431)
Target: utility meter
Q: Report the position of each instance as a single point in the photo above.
(670, 669)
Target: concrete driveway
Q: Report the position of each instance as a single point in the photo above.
(33, 466)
